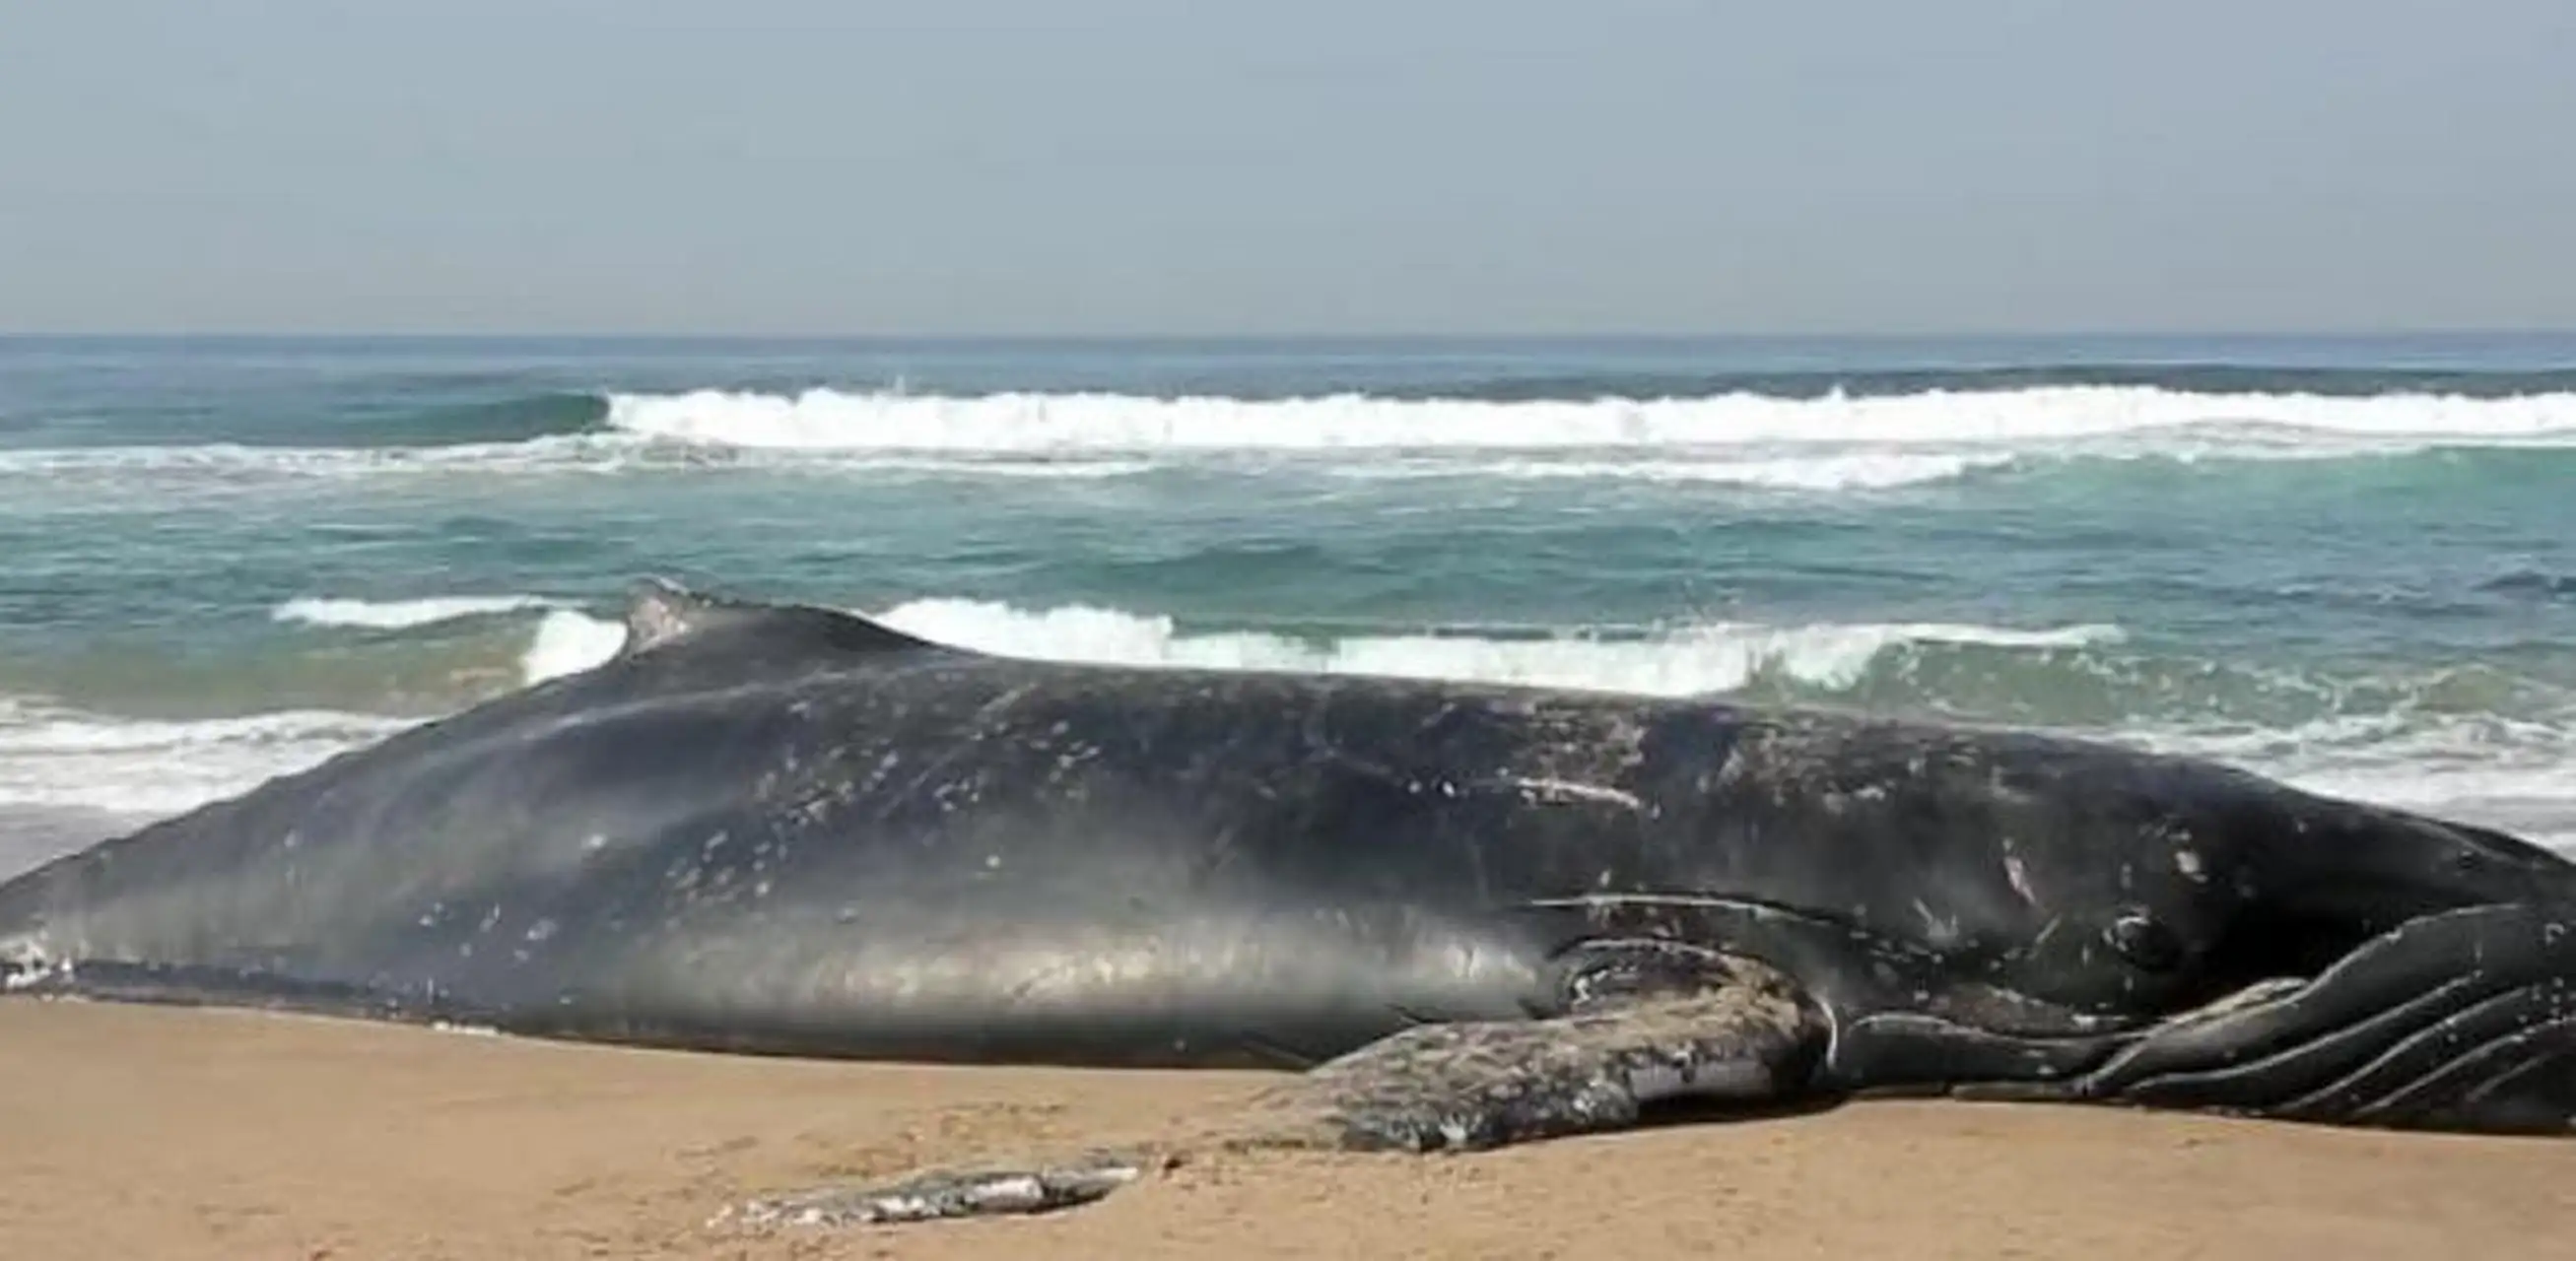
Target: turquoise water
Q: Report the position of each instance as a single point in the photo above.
(2351, 563)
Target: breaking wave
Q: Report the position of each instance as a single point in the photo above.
(829, 420)
(401, 614)
(1855, 471)
(125, 767)
(1715, 657)
(565, 640)
(1828, 440)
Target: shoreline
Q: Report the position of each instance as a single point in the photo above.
(162, 1134)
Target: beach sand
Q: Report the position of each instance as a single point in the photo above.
(142, 1134)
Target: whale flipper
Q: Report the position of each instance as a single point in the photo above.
(1743, 1035)
(1674, 1023)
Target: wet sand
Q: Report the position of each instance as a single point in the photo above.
(145, 1134)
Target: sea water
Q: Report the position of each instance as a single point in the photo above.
(2349, 563)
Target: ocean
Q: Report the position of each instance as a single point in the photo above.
(2349, 563)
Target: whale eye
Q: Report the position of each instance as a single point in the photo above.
(2146, 943)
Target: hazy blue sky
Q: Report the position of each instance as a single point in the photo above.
(1196, 166)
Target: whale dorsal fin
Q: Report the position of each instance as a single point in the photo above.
(660, 611)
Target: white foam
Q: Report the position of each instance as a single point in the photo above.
(400, 614)
(569, 642)
(831, 420)
(223, 467)
(1704, 657)
(2515, 774)
(1829, 443)
(1852, 471)
(225, 461)
(1698, 658)
(51, 757)
(565, 641)
(1077, 467)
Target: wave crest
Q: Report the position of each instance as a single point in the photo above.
(830, 420)
(1830, 442)
(400, 614)
(1709, 657)
(50, 756)
(1826, 472)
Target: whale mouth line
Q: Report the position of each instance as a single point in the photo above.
(1604, 906)
(1988, 1008)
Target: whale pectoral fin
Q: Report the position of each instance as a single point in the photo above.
(2460, 1020)
(1648, 1023)
(1695, 1026)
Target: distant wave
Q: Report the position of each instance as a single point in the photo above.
(829, 420)
(399, 614)
(358, 413)
(565, 640)
(1865, 470)
(1826, 443)
(230, 465)
(2531, 583)
(2195, 378)
(53, 757)
(2516, 775)
(222, 461)
(391, 421)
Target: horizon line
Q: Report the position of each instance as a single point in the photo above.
(1287, 338)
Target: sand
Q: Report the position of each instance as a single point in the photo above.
(142, 1134)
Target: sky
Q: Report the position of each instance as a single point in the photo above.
(1125, 167)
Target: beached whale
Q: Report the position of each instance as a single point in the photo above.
(1472, 914)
